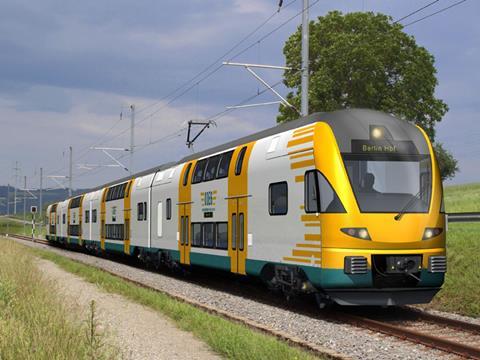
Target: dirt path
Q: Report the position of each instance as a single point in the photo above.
(138, 331)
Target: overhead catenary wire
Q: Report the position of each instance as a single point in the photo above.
(86, 150)
(416, 11)
(435, 13)
(220, 58)
(218, 67)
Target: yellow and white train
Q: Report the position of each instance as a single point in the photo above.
(347, 205)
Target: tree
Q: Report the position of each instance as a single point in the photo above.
(448, 165)
(364, 60)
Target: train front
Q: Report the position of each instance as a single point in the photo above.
(381, 210)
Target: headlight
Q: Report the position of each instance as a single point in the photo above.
(431, 233)
(361, 233)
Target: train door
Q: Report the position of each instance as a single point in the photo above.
(53, 227)
(185, 212)
(237, 227)
(238, 208)
(184, 241)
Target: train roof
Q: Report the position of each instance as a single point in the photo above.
(339, 119)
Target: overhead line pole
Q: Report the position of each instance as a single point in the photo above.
(8, 199)
(25, 206)
(16, 168)
(132, 137)
(305, 57)
(40, 200)
(70, 173)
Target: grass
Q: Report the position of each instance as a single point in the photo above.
(462, 198)
(460, 293)
(230, 339)
(33, 321)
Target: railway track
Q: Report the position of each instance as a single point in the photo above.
(437, 332)
(448, 335)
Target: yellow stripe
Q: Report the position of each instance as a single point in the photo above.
(307, 253)
(300, 150)
(312, 126)
(302, 154)
(310, 217)
(312, 237)
(318, 262)
(299, 141)
(301, 133)
(312, 224)
(302, 164)
(310, 246)
(302, 207)
(299, 178)
(128, 215)
(287, 258)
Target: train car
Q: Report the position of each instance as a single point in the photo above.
(90, 224)
(347, 205)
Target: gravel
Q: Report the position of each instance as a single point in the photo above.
(340, 338)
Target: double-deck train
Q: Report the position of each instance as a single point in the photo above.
(347, 205)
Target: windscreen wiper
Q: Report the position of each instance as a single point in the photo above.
(407, 206)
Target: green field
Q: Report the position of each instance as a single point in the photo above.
(461, 292)
(462, 198)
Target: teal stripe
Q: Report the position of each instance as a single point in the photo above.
(212, 261)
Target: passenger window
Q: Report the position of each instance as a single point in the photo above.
(212, 166)
(87, 217)
(241, 231)
(145, 211)
(278, 198)
(319, 195)
(222, 235)
(140, 211)
(234, 231)
(160, 219)
(63, 220)
(224, 165)
(169, 209)
(199, 171)
(238, 165)
(208, 235)
(94, 215)
(185, 176)
(196, 234)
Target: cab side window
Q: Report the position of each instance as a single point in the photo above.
(278, 198)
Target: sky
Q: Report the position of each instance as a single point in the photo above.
(70, 70)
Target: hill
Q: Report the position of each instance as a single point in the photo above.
(48, 198)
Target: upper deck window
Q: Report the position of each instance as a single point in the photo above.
(239, 164)
(199, 171)
(224, 165)
(212, 166)
(187, 172)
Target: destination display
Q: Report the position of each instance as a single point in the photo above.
(383, 147)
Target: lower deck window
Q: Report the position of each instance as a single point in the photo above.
(210, 235)
(73, 230)
(114, 231)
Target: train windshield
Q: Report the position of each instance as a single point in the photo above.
(390, 183)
